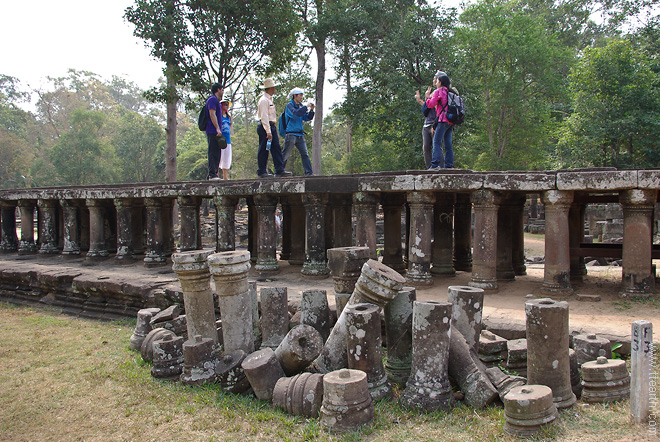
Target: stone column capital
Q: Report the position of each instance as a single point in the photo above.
(27, 203)
(557, 198)
(393, 199)
(225, 200)
(192, 262)
(189, 200)
(420, 198)
(314, 199)
(485, 198)
(47, 203)
(263, 200)
(640, 198)
(365, 198)
(126, 203)
(89, 202)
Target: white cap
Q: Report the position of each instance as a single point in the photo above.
(295, 91)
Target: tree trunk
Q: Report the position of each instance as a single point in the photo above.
(349, 123)
(319, 48)
(170, 137)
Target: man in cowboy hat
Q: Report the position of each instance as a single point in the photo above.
(267, 131)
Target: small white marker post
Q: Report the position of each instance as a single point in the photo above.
(640, 370)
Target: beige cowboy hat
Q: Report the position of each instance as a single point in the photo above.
(268, 82)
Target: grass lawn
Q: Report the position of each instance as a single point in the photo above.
(68, 379)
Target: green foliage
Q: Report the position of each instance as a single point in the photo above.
(192, 161)
(136, 142)
(616, 118)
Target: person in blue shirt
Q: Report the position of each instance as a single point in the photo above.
(294, 115)
(225, 127)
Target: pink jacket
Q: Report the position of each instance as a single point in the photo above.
(439, 101)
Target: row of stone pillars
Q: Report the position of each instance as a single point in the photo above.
(438, 237)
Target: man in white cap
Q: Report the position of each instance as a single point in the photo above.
(267, 131)
(292, 126)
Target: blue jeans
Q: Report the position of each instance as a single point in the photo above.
(443, 137)
(275, 150)
(299, 141)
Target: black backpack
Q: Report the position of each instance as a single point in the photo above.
(455, 110)
(203, 118)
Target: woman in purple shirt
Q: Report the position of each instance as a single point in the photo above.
(444, 129)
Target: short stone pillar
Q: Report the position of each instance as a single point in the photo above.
(428, 386)
(142, 328)
(298, 349)
(274, 316)
(129, 229)
(469, 373)
(576, 236)
(637, 279)
(263, 371)
(588, 347)
(293, 230)
(230, 274)
(378, 284)
(315, 312)
(605, 380)
(27, 245)
(484, 258)
(392, 250)
(463, 233)
(347, 404)
(518, 236)
(147, 347)
(159, 231)
(364, 345)
(557, 270)
(168, 358)
(192, 269)
(225, 208)
(300, 395)
(366, 206)
(9, 236)
(547, 348)
(190, 225)
(48, 218)
(345, 264)
(71, 228)
(229, 373)
(97, 245)
(642, 371)
(199, 361)
(267, 233)
(467, 307)
(421, 231)
(285, 228)
(443, 235)
(254, 303)
(398, 335)
(528, 409)
(342, 206)
(315, 262)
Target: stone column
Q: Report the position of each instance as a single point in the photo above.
(421, 231)
(637, 278)
(126, 234)
(315, 262)
(192, 269)
(366, 205)
(428, 386)
(641, 372)
(576, 236)
(71, 218)
(378, 284)
(97, 246)
(267, 235)
(27, 245)
(556, 278)
(159, 231)
(342, 218)
(285, 228)
(253, 228)
(274, 316)
(484, 267)
(518, 236)
(504, 266)
(347, 404)
(345, 264)
(315, 312)
(392, 251)
(467, 307)
(191, 232)
(443, 235)
(225, 207)
(547, 348)
(9, 236)
(463, 233)
(48, 226)
(398, 335)
(297, 225)
(365, 348)
(230, 273)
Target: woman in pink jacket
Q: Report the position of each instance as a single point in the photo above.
(444, 129)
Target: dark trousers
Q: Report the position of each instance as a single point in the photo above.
(275, 150)
(214, 153)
